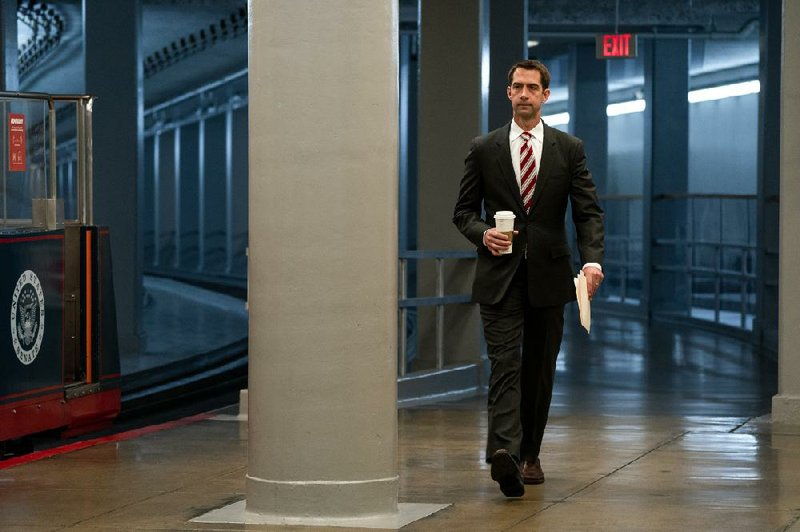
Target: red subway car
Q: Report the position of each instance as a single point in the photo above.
(59, 356)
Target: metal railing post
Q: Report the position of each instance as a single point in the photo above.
(156, 200)
(51, 112)
(439, 314)
(623, 285)
(718, 266)
(691, 251)
(176, 162)
(402, 326)
(81, 143)
(201, 195)
(229, 190)
(743, 289)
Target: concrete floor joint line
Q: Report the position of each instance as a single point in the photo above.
(791, 524)
(623, 466)
(742, 424)
(535, 514)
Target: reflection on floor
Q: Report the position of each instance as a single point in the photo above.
(624, 367)
(182, 321)
(659, 429)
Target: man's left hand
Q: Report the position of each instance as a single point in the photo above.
(593, 279)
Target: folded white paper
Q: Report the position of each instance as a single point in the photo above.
(584, 307)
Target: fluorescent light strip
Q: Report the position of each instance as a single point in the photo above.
(615, 109)
(701, 95)
(626, 108)
(558, 119)
(725, 91)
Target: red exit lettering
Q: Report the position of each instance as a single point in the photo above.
(616, 45)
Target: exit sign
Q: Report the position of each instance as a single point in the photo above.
(615, 45)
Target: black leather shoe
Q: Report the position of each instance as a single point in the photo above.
(506, 472)
(532, 472)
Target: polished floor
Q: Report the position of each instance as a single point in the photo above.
(182, 321)
(652, 429)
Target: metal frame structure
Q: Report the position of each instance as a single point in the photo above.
(692, 245)
(84, 105)
(199, 117)
(440, 301)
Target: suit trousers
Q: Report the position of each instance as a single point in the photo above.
(523, 343)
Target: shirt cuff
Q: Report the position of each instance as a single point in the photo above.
(593, 265)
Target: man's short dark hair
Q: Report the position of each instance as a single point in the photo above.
(531, 64)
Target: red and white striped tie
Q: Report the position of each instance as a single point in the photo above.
(527, 170)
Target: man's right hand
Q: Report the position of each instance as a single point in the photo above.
(496, 242)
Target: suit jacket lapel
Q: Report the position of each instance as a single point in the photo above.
(548, 151)
(503, 155)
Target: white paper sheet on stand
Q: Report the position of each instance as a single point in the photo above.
(584, 307)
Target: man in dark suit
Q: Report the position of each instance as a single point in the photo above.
(532, 170)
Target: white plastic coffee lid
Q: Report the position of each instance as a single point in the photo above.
(504, 215)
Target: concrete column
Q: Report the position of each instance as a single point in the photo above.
(112, 43)
(588, 89)
(453, 109)
(666, 171)
(765, 327)
(786, 405)
(508, 43)
(9, 70)
(323, 258)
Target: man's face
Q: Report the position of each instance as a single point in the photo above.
(526, 94)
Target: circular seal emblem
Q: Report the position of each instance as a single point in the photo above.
(27, 317)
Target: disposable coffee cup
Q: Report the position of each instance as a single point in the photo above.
(504, 223)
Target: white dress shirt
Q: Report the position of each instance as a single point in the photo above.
(537, 138)
(515, 140)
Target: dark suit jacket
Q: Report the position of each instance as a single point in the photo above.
(489, 182)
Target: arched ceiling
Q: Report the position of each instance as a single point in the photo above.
(186, 43)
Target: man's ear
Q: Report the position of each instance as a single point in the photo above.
(508, 92)
(546, 94)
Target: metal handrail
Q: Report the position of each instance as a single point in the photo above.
(715, 272)
(699, 195)
(433, 254)
(196, 92)
(440, 300)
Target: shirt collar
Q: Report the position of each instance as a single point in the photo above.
(516, 131)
